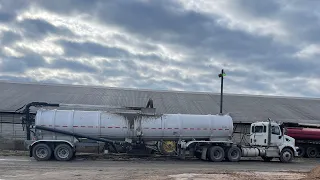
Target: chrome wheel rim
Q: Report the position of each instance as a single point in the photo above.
(234, 154)
(287, 156)
(42, 152)
(63, 153)
(217, 154)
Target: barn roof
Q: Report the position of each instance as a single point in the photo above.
(243, 108)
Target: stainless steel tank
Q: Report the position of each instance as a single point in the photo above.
(119, 126)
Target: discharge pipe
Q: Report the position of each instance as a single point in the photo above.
(76, 135)
(26, 111)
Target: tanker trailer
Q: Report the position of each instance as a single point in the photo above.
(307, 138)
(208, 137)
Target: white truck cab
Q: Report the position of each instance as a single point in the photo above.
(268, 135)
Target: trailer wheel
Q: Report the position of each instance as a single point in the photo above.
(63, 152)
(286, 155)
(234, 154)
(41, 152)
(216, 153)
(312, 152)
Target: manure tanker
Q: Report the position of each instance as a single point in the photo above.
(57, 133)
(307, 138)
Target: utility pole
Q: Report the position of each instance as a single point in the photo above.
(221, 96)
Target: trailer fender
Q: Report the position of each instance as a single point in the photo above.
(54, 141)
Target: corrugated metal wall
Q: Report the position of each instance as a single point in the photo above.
(242, 108)
(12, 135)
(11, 131)
(240, 134)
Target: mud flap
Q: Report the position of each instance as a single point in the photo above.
(204, 153)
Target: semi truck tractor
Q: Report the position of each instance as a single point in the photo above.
(57, 133)
(307, 138)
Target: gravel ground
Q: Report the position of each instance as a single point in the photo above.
(22, 167)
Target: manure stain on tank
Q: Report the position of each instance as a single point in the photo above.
(133, 118)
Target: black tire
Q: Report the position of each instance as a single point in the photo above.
(286, 155)
(41, 152)
(197, 154)
(267, 159)
(312, 152)
(233, 154)
(63, 152)
(301, 151)
(216, 154)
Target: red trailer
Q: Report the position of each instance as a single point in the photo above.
(307, 138)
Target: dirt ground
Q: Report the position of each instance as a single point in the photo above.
(83, 168)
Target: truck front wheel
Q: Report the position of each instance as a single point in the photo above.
(286, 155)
(63, 152)
(41, 152)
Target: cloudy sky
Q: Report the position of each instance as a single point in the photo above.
(268, 47)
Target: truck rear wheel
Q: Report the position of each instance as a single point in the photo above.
(301, 151)
(234, 154)
(286, 155)
(63, 152)
(312, 152)
(41, 152)
(216, 153)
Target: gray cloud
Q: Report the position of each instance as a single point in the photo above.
(18, 78)
(202, 36)
(9, 37)
(10, 9)
(69, 6)
(72, 65)
(260, 8)
(258, 63)
(31, 60)
(6, 17)
(90, 48)
(37, 28)
(303, 24)
(21, 64)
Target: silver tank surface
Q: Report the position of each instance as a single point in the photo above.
(119, 126)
